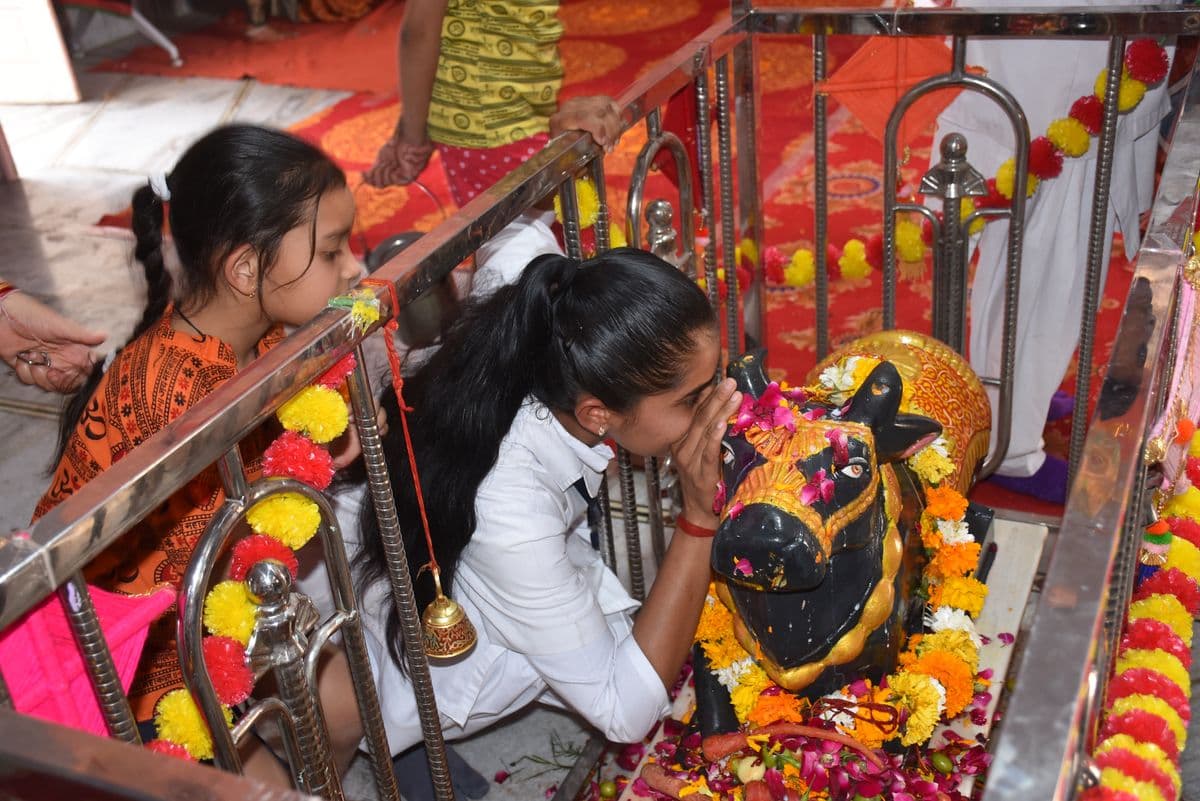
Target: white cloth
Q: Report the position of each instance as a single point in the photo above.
(554, 623)
(500, 260)
(1046, 77)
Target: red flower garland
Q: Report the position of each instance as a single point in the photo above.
(334, 376)
(1193, 470)
(296, 456)
(1172, 581)
(1101, 793)
(1145, 727)
(1137, 769)
(774, 263)
(231, 677)
(993, 199)
(1185, 529)
(1088, 111)
(1045, 160)
(1150, 634)
(253, 549)
(1137, 681)
(170, 749)
(1146, 61)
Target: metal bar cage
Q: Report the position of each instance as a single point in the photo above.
(1039, 749)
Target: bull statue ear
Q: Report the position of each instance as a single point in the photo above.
(877, 404)
(750, 372)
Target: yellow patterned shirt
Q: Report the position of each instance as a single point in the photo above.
(498, 74)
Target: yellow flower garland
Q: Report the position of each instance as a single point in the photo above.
(1159, 661)
(1169, 610)
(179, 721)
(230, 610)
(317, 412)
(288, 517)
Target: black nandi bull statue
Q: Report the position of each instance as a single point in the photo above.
(813, 554)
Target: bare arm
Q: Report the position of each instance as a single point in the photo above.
(667, 622)
(405, 154)
(420, 46)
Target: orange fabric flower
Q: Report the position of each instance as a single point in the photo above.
(956, 560)
(953, 674)
(945, 503)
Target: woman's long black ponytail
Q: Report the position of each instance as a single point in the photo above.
(619, 327)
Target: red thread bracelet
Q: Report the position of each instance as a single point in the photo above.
(693, 530)
(6, 289)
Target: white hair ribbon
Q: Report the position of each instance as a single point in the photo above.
(158, 185)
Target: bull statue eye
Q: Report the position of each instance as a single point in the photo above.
(726, 454)
(854, 470)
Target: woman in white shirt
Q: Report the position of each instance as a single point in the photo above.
(508, 416)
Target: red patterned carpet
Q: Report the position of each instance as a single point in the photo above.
(608, 43)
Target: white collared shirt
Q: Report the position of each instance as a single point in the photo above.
(554, 623)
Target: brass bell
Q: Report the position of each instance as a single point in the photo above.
(448, 632)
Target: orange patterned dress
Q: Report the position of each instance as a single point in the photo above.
(152, 381)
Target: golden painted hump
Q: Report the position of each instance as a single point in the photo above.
(939, 384)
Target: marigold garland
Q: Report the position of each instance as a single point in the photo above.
(953, 642)
(293, 455)
(588, 201)
(1145, 64)
(962, 592)
(1185, 557)
(1143, 772)
(229, 611)
(1150, 633)
(1154, 706)
(1171, 580)
(923, 698)
(284, 521)
(288, 517)
(1145, 727)
(1169, 610)
(955, 676)
(1147, 751)
(231, 677)
(1144, 681)
(317, 412)
(1142, 790)
(168, 748)
(178, 720)
(1158, 661)
(251, 550)
(945, 503)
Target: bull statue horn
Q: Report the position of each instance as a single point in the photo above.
(877, 404)
(750, 372)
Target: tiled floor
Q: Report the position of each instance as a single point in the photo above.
(79, 162)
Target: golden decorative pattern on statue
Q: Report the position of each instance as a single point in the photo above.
(876, 610)
(943, 387)
(779, 482)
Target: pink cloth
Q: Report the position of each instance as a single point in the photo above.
(470, 170)
(44, 670)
